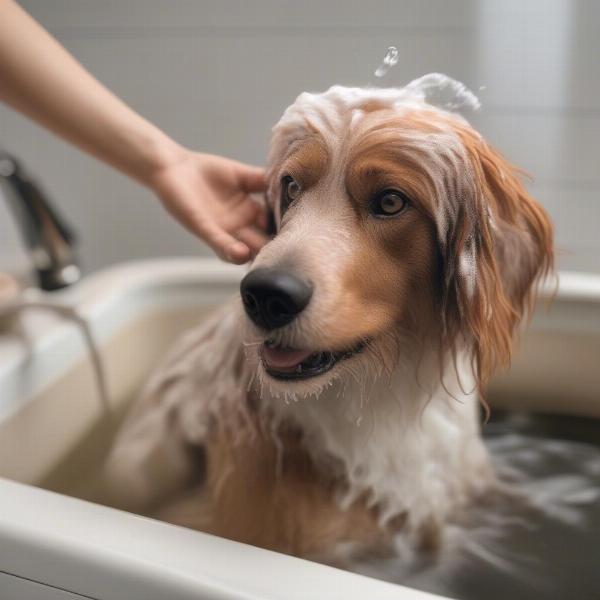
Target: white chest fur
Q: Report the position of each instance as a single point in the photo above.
(412, 450)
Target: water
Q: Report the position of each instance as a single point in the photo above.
(389, 60)
(31, 301)
(541, 542)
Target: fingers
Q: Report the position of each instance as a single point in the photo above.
(252, 238)
(238, 247)
(239, 253)
(242, 215)
(262, 218)
(245, 243)
(225, 245)
(252, 179)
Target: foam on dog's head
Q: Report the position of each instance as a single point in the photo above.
(325, 111)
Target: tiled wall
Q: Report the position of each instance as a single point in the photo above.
(217, 74)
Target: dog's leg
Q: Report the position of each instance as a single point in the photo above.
(157, 452)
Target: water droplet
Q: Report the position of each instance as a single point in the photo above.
(389, 60)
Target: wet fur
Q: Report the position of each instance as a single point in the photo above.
(388, 441)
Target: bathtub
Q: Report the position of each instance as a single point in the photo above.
(54, 544)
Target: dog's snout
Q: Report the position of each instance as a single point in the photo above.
(274, 297)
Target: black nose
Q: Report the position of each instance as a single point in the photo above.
(273, 297)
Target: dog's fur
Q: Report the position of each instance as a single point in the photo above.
(388, 440)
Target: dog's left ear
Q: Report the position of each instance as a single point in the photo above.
(500, 246)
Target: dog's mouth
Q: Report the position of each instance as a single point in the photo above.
(295, 364)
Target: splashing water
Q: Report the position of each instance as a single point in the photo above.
(538, 539)
(389, 60)
(22, 304)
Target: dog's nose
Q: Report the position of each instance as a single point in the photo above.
(274, 297)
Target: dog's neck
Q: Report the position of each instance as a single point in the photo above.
(409, 449)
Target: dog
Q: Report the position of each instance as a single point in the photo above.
(336, 403)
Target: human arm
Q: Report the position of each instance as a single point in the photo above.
(210, 195)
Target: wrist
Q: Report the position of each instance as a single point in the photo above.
(160, 153)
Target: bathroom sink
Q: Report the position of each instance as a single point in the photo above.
(53, 428)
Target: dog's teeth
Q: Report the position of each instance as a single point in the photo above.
(299, 369)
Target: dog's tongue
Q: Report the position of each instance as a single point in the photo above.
(284, 358)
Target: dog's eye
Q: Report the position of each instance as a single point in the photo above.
(389, 203)
(290, 190)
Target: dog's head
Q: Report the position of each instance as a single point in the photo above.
(398, 229)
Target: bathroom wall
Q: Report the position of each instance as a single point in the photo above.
(216, 74)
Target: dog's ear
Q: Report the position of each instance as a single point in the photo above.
(498, 248)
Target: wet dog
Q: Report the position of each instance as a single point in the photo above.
(335, 403)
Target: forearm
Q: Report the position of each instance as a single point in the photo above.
(209, 195)
(39, 78)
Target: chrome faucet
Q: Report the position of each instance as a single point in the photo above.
(50, 241)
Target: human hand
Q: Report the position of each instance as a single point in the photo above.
(211, 196)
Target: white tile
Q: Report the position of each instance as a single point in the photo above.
(257, 14)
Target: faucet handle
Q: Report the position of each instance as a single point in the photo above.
(50, 240)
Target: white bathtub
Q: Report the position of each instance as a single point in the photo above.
(54, 546)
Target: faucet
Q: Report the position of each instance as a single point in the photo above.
(50, 241)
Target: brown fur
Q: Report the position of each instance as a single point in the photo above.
(397, 264)
(521, 229)
(308, 161)
(279, 501)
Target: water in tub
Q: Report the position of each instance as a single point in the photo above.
(544, 546)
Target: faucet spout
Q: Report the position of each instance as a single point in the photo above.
(49, 239)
